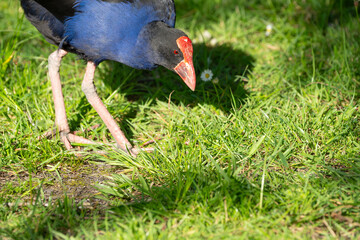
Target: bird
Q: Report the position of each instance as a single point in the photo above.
(138, 33)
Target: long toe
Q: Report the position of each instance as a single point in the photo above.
(135, 151)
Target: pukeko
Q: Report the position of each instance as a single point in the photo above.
(138, 33)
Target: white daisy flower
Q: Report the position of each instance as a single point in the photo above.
(207, 75)
(269, 28)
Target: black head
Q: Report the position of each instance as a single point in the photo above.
(171, 48)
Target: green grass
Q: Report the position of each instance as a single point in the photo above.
(272, 151)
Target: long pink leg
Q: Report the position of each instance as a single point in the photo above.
(89, 89)
(60, 113)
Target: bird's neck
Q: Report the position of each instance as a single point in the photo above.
(144, 54)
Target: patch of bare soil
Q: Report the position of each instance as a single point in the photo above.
(77, 183)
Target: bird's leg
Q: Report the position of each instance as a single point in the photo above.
(89, 89)
(60, 113)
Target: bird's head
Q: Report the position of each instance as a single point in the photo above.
(171, 48)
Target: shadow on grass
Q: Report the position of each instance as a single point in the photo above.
(207, 192)
(325, 14)
(230, 66)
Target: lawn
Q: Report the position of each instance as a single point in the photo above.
(269, 149)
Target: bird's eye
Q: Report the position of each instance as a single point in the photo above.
(176, 52)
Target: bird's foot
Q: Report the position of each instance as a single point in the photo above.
(143, 148)
(69, 138)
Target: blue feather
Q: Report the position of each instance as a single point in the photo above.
(110, 31)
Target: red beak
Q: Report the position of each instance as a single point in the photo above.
(185, 68)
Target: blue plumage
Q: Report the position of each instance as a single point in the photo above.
(110, 31)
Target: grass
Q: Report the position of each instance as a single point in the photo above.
(271, 151)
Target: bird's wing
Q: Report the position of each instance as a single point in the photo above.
(42, 14)
(60, 9)
(48, 25)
